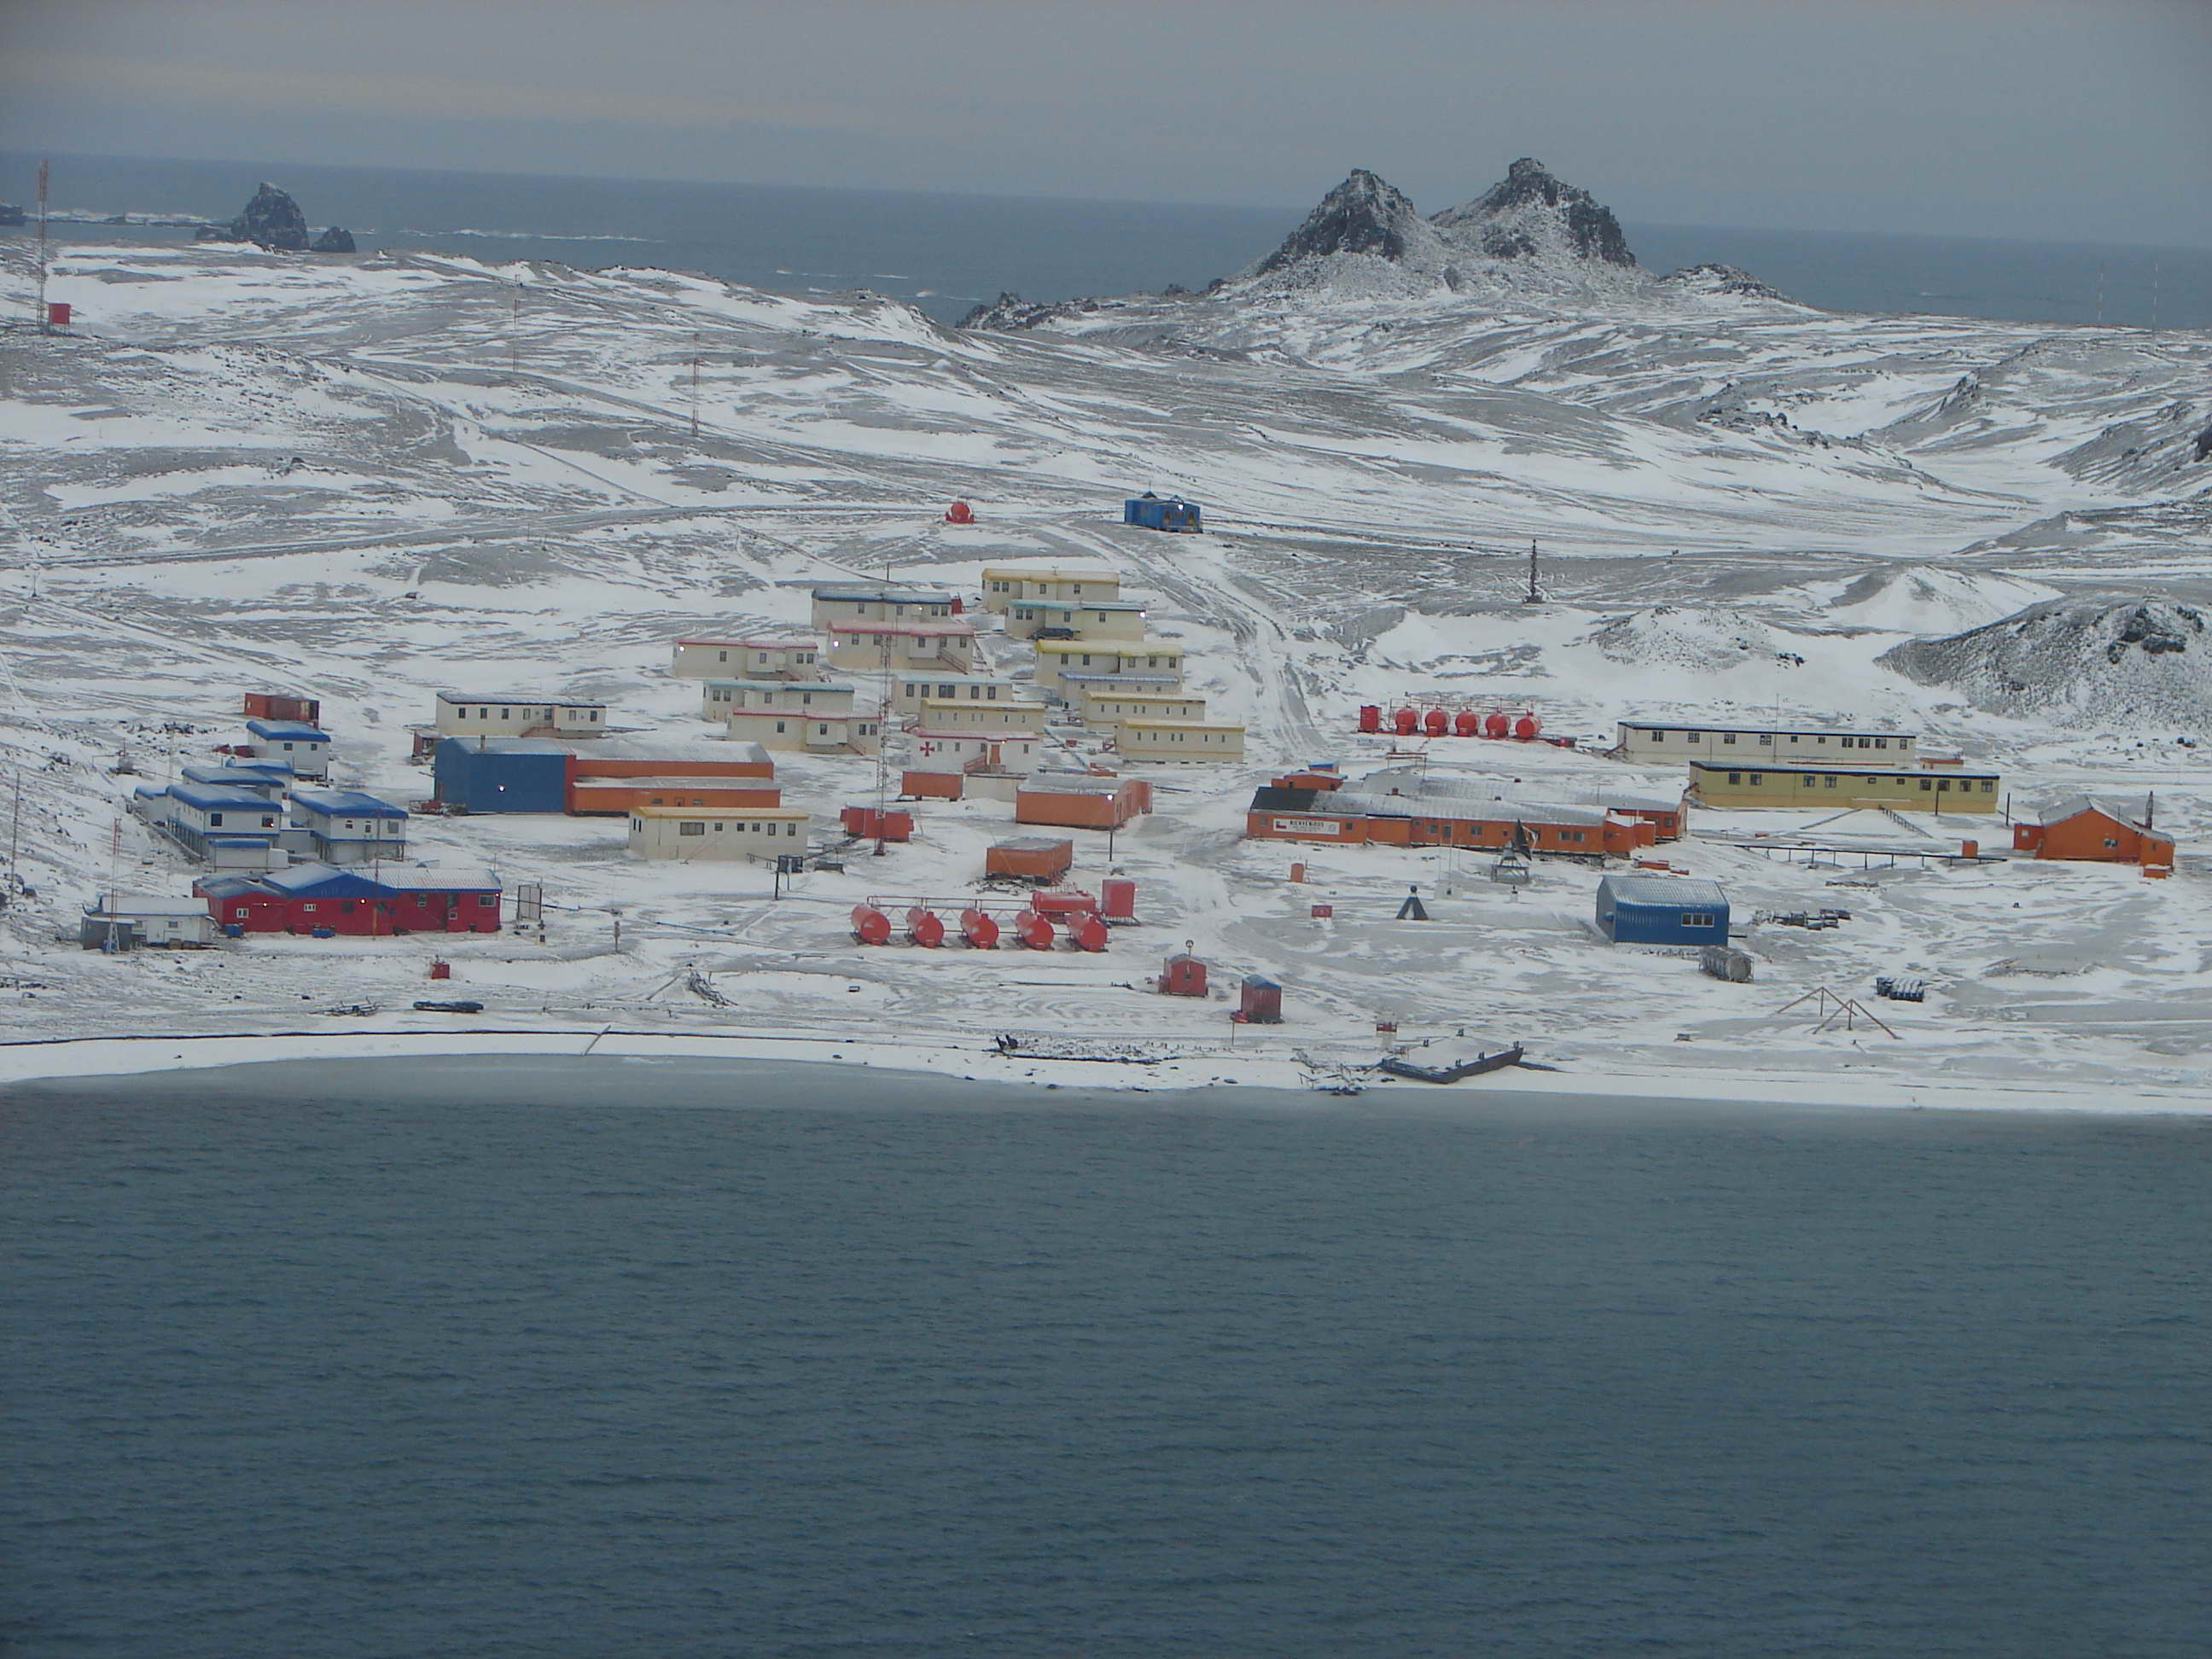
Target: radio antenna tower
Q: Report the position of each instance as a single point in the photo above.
(1535, 593)
(886, 692)
(694, 388)
(45, 327)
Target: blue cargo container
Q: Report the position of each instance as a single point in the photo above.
(501, 774)
(1162, 513)
(1661, 910)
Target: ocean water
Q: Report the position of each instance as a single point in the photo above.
(944, 252)
(524, 1357)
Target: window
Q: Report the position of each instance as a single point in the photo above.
(791, 828)
(1829, 782)
(1758, 777)
(1881, 742)
(1766, 740)
(1926, 783)
(718, 829)
(1989, 786)
(1728, 736)
(779, 726)
(1692, 737)
(1575, 835)
(506, 714)
(1696, 919)
(2110, 841)
(346, 905)
(308, 907)
(1823, 742)
(1942, 785)
(215, 820)
(691, 827)
(1736, 777)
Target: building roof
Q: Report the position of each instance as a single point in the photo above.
(345, 804)
(1088, 687)
(1082, 604)
(1034, 844)
(274, 771)
(892, 595)
(1672, 892)
(676, 752)
(976, 734)
(1073, 783)
(1081, 682)
(1841, 767)
(808, 686)
(1818, 729)
(217, 797)
(528, 699)
(1267, 798)
(925, 676)
(943, 628)
(825, 715)
(779, 813)
(329, 881)
(295, 731)
(1150, 646)
(1142, 724)
(657, 781)
(1007, 573)
(132, 904)
(2075, 806)
(782, 642)
(491, 745)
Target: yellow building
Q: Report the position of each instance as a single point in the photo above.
(1186, 741)
(1146, 658)
(719, 833)
(1103, 708)
(953, 714)
(1902, 788)
(1003, 584)
(1083, 619)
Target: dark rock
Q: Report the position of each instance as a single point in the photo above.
(1363, 214)
(271, 220)
(336, 240)
(2204, 443)
(1589, 229)
(1713, 277)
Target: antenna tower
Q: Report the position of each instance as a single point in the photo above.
(45, 327)
(514, 336)
(694, 388)
(1536, 594)
(886, 691)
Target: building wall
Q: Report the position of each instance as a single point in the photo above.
(488, 719)
(1025, 618)
(1096, 658)
(730, 661)
(806, 734)
(709, 837)
(1178, 743)
(826, 612)
(2093, 838)
(484, 781)
(1930, 790)
(1493, 834)
(942, 715)
(909, 692)
(717, 699)
(863, 653)
(1663, 924)
(1002, 586)
(618, 797)
(1690, 742)
(1104, 710)
(1102, 810)
(685, 764)
(401, 911)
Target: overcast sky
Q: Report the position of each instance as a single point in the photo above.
(2056, 119)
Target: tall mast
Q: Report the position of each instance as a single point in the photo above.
(44, 328)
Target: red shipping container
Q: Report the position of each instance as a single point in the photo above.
(1117, 899)
(59, 313)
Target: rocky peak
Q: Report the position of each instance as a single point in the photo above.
(335, 239)
(1713, 277)
(1530, 213)
(271, 220)
(1363, 214)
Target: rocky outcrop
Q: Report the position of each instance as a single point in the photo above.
(1363, 214)
(10, 213)
(2204, 444)
(1009, 311)
(1715, 279)
(2086, 661)
(336, 240)
(1528, 213)
(271, 220)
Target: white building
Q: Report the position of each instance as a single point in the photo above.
(875, 602)
(817, 732)
(1676, 740)
(1081, 619)
(1004, 585)
(1104, 706)
(1110, 659)
(941, 749)
(1179, 742)
(953, 715)
(345, 826)
(133, 919)
(686, 833)
(909, 690)
(466, 714)
(765, 657)
(861, 646)
(720, 698)
(305, 749)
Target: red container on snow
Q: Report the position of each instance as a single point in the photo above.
(58, 313)
(1117, 899)
(1063, 901)
(1436, 723)
(870, 926)
(1467, 724)
(1033, 931)
(1182, 976)
(1088, 931)
(925, 927)
(1496, 724)
(1527, 727)
(1405, 722)
(977, 927)
(959, 513)
(1370, 718)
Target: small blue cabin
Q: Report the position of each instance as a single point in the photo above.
(1640, 909)
(1162, 513)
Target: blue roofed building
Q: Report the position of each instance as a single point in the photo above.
(267, 779)
(1162, 513)
(308, 748)
(345, 826)
(1655, 909)
(230, 828)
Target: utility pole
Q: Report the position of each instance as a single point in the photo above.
(1536, 594)
(514, 336)
(45, 327)
(694, 388)
(2154, 295)
(2101, 295)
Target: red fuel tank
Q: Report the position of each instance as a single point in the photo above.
(1088, 931)
(1497, 725)
(1467, 724)
(1405, 722)
(925, 927)
(870, 926)
(978, 928)
(1527, 727)
(1370, 718)
(1033, 930)
(1436, 723)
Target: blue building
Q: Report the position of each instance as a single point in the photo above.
(308, 748)
(267, 779)
(231, 829)
(1641, 909)
(501, 774)
(1158, 513)
(344, 826)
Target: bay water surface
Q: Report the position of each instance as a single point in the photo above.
(540, 1357)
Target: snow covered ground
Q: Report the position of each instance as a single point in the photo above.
(368, 479)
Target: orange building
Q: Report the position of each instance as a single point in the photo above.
(1077, 800)
(1348, 817)
(2095, 831)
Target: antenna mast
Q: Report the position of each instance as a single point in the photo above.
(694, 388)
(44, 326)
(1536, 594)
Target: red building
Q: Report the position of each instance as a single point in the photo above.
(2095, 831)
(309, 898)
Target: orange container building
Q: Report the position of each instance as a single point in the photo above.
(2095, 831)
(1078, 801)
(1029, 858)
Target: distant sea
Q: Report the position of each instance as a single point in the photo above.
(944, 252)
(573, 1360)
